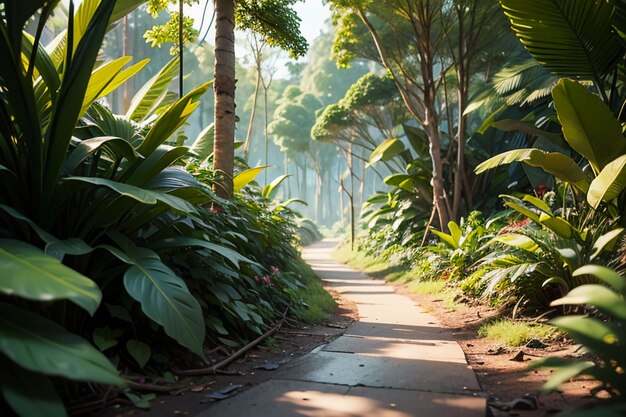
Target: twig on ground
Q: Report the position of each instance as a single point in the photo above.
(234, 356)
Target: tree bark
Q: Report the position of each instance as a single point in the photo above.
(224, 153)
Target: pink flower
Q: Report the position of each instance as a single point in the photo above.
(267, 280)
(257, 278)
(274, 270)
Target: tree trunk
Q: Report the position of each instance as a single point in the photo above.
(246, 145)
(223, 157)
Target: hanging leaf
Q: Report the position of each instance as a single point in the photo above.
(555, 163)
(164, 296)
(609, 183)
(246, 177)
(588, 124)
(270, 189)
(29, 273)
(29, 394)
(387, 150)
(41, 345)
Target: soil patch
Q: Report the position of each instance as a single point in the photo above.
(503, 371)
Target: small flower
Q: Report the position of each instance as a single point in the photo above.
(274, 270)
(257, 278)
(541, 190)
(267, 280)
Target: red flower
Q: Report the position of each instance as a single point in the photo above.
(541, 190)
(274, 270)
(257, 278)
(267, 280)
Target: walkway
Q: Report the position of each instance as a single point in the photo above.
(394, 362)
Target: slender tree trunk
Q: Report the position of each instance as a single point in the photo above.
(460, 156)
(257, 85)
(267, 144)
(341, 203)
(351, 196)
(431, 126)
(223, 158)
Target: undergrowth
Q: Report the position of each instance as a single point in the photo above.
(516, 333)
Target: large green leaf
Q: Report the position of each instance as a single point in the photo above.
(172, 119)
(561, 166)
(147, 97)
(516, 240)
(588, 124)
(202, 147)
(29, 394)
(609, 183)
(387, 150)
(108, 77)
(605, 274)
(511, 125)
(606, 242)
(270, 189)
(138, 194)
(557, 224)
(41, 345)
(592, 333)
(572, 38)
(246, 177)
(164, 296)
(120, 147)
(177, 242)
(29, 273)
(596, 295)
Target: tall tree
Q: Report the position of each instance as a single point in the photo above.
(278, 25)
(224, 142)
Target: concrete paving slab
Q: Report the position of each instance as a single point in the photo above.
(423, 404)
(383, 372)
(433, 350)
(280, 398)
(283, 398)
(399, 314)
(397, 331)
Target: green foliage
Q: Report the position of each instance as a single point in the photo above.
(275, 20)
(573, 39)
(603, 338)
(95, 212)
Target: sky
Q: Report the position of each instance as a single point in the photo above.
(312, 13)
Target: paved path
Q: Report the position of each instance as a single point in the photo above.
(396, 361)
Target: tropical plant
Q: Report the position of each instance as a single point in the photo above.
(96, 213)
(601, 334)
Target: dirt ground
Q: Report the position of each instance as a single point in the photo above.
(506, 381)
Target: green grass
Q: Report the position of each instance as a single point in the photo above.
(319, 303)
(445, 293)
(368, 264)
(516, 333)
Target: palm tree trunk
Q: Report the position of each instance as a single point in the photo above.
(224, 153)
